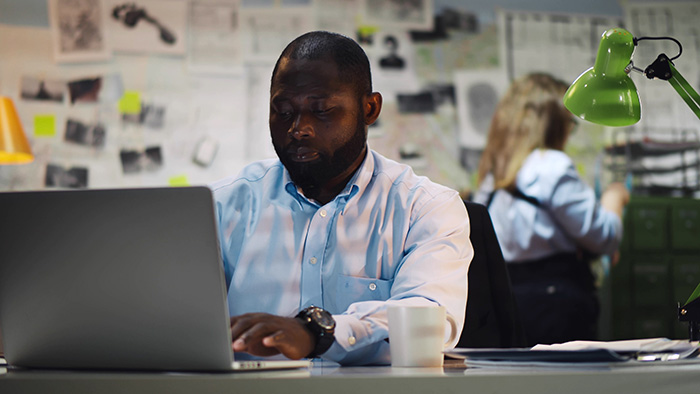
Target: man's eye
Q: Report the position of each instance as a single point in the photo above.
(322, 110)
(284, 114)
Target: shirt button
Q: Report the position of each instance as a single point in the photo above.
(372, 286)
(323, 213)
(351, 341)
(312, 260)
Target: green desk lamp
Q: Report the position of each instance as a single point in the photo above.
(605, 94)
(14, 148)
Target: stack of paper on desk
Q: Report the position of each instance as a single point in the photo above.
(579, 354)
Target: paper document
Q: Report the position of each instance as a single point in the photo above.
(585, 354)
(649, 345)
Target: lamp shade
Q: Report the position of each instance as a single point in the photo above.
(605, 94)
(14, 148)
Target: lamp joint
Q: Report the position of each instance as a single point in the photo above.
(660, 68)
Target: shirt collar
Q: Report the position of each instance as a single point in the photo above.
(356, 184)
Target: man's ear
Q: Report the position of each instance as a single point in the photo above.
(372, 106)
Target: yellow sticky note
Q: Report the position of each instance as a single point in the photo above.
(367, 30)
(44, 125)
(130, 103)
(179, 180)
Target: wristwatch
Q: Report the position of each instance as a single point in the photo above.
(322, 325)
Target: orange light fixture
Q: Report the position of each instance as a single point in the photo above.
(14, 147)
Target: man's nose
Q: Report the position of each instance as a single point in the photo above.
(301, 127)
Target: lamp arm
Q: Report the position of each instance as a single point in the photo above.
(687, 93)
(663, 68)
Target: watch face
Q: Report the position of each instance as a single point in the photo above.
(323, 319)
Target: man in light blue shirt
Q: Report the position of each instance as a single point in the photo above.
(333, 224)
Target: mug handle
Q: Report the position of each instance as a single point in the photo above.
(453, 328)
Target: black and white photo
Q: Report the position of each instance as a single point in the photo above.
(85, 90)
(477, 93)
(42, 89)
(80, 133)
(137, 161)
(61, 177)
(78, 29)
(153, 26)
(400, 14)
(151, 116)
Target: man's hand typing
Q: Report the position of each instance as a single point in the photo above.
(262, 334)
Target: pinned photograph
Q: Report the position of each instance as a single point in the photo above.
(428, 100)
(392, 58)
(58, 176)
(399, 14)
(478, 93)
(443, 93)
(136, 161)
(151, 116)
(85, 90)
(419, 103)
(154, 26)
(459, 19)
(78, 30)
(42, 89)
(80, 133)
(393, 63)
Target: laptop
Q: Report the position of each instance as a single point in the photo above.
(127, 279)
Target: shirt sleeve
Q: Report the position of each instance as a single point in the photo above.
(433, 270)
(578, 212)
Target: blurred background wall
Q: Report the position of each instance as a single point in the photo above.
(129, 108)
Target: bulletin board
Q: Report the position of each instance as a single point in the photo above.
(184, 100)
(182, 96)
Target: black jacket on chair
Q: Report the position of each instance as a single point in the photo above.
(492, 318)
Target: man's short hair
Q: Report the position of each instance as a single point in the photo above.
(347, 54)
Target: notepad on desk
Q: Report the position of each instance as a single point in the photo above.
(585, 354)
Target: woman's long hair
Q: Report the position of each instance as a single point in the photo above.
(531, 115)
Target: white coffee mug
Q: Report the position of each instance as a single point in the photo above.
(417, 335)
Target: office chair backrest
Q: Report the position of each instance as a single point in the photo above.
(492, 318)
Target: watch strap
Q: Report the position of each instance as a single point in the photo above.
(324, 337)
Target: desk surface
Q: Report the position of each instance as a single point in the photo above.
(329, 378)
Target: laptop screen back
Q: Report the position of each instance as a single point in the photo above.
(113, 279)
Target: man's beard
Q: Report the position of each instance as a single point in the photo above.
(312, 176)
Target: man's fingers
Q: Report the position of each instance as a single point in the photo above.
(239, 345)
(265, 335)
(275, 339)
(243, 323)
(293, 341)
(251, 339)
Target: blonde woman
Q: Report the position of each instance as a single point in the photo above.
(546, 217)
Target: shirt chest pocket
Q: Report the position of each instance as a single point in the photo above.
(353, 289)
